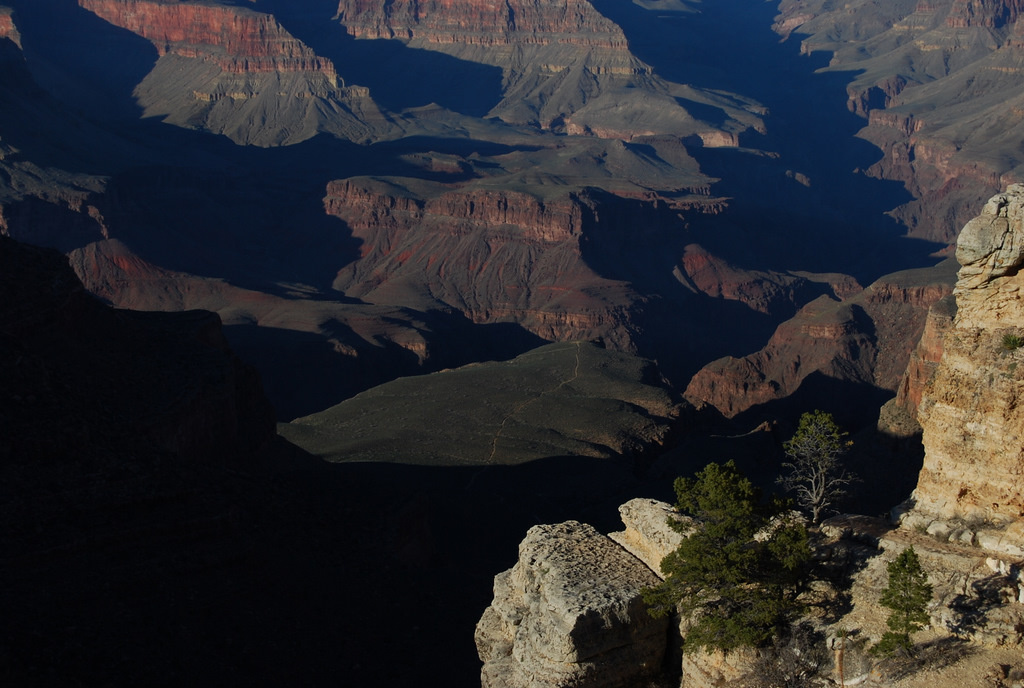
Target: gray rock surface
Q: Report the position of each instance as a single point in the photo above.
(991, 245)
(648, 535)
(569, 613)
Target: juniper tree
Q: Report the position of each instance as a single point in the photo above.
(907, 595)
(736, 589)
(816, 475)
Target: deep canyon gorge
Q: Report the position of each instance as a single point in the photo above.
(311, 308)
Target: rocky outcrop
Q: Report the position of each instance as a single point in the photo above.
(569, 613)
(970, 410)
(8, 29)
(238, 39)
(647, 535)
(239, 72)
(496, 256)
(565, 67)
(866, 339)
(543, 22)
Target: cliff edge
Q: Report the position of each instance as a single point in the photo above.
(970, 486)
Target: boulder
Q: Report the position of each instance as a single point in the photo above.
(569, 613)
(648, 535)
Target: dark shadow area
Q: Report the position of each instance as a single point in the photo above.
(805, 206)
(398, 77)
(90, 62)
(852, 404)
(304, 372)
(372, 574)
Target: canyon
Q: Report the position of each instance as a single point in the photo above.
(495, 265)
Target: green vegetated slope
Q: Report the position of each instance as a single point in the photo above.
(561, 399)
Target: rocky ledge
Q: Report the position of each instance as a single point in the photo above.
(570, 612)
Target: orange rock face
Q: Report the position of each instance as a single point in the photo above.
(7, 27)
(238, 39)
(863, 339)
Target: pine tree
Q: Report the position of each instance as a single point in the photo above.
(816, 475)
(736, 589)
(907, 595)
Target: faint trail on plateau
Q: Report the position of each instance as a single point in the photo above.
(519, 407)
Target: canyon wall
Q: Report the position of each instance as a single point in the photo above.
(543, 22)
(232, 70)
(495, 255)
(939, 85)
(864, 338)
(970, 410)
(238, 39)
(564, 65)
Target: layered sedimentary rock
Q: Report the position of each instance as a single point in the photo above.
(545, 22)
(495, 255)
(939, 83)
(570, 613)
(970, 411)
(8, 29)
(238, 72)
(899, 415)
(866, 339)
(238, 39)
(565, 66)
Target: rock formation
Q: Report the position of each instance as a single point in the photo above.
(238, 72)
(647, 535)
(864, 338)
(7, 28)
(973, 428)
(937, 82)
(496, 256)
(565, 66)
(570, 613)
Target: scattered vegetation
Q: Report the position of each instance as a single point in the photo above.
(907, 595)
(800, 657)
(816, 475)
(738, 590)
(1012, 342)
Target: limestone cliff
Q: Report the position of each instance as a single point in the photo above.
(971, 409)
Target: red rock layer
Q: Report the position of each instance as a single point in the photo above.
(496, 256)
(867, 339)
(925, 358)
(7, 27)
(238, 39)
(483, 22)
